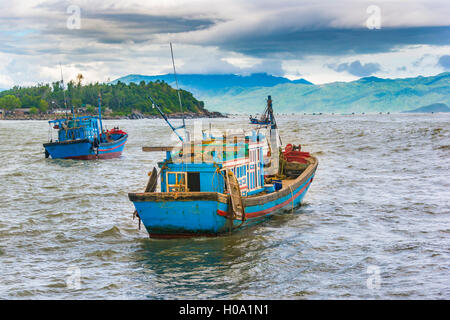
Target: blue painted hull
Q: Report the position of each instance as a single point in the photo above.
(256, 121)
(85, 149)
(168, 215)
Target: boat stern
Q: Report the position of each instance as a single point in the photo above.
(184, 214)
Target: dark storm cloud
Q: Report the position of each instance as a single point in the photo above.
(336, 41)
(99, 35)
(119, 37)
(152, 23)
(114, 28)
(357, 69)
(289, 32)
(444, 62)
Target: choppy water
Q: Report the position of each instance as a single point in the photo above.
(375, 223)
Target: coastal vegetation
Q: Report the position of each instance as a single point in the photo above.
(119, 98)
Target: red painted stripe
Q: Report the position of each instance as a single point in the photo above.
(110, 155)
(266, 211)
(222, 213)
(86, 157)
(102, 150)
(180, 235)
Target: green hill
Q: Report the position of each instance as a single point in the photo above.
(213, 83)
(121, 98)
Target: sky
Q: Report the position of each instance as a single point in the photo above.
(320, 41)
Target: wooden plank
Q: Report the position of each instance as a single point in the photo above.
(236, 197)
(152, 181)
(155, 149)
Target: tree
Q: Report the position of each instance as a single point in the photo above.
(120, 97)
(10, 102)
(90, 109)
(43, 105)
(33, 110)
(79, 79)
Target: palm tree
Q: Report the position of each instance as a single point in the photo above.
(79, 78)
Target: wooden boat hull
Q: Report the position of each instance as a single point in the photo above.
(84, 149)
(184, 214)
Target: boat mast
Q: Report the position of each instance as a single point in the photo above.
(178, 91)
(174, 129)
(269, 113)
(100, 114)
(154, 105)
(64, 91)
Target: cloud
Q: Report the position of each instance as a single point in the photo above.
(356, 68)
(123, 37)
(288, 29)
(336, 42)
(444, 62)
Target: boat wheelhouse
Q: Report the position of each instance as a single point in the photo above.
(199, 166)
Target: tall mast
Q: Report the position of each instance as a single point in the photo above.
(64, 91)
(100, 113)
(178, 89)
(273, 123)
(174, 129)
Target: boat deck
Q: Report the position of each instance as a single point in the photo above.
(287, 182)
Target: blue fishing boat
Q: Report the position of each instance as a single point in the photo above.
(221, 184)
(267, 118)
(83, 138)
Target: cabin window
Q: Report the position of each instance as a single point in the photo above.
(176, 181)
(193, 180)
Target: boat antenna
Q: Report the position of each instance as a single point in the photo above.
(64, 91)
(100, 112)
(178, 89)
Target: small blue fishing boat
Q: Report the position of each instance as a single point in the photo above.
(220, 184)
(267, 118)
(83, 138)
(259, 121)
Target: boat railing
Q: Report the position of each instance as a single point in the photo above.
(85, 127)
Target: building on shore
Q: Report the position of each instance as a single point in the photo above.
(21, 111)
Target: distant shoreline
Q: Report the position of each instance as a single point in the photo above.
(133, 116)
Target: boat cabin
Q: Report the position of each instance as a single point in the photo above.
(199, 166)
(77, 128)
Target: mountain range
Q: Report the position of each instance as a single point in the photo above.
(246, 94)
(213, 83)
(435, 107)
